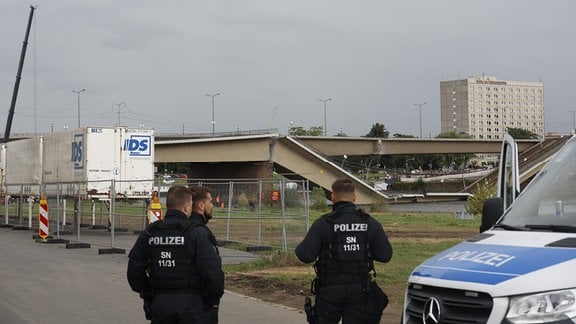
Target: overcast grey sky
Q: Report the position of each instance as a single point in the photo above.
(272, 61)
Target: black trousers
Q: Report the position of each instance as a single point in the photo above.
(342, 301)
(179, 308)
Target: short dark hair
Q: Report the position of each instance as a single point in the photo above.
(177, 197)
(343, 186)
(199, 193)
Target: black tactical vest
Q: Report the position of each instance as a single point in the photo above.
(348, 248)
(170, 266)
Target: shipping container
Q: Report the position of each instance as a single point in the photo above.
(88, 159)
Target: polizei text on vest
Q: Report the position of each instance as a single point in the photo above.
(166, 240)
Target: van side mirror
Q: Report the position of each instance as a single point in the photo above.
(492, 210)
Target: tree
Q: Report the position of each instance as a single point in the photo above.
(453, 161)
(378, 130)
(452, 135)
(341, 134)
(475, 203)
(521, 133)
(300, 131)
(316, 131)
(398, 135)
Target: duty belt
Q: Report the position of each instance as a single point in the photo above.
(187, 290)
(342, 279)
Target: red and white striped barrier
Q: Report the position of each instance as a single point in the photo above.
(43, 218)
(155, 210)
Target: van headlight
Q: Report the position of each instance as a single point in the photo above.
(543, 308)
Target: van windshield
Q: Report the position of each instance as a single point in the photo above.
(549, 201)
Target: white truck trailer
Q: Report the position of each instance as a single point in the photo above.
(87, 158)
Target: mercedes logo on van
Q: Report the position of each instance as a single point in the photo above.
(431, 313)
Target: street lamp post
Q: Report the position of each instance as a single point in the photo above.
(213, 120)
(78, 93)
(325, 126)
(573, 119)
(420, 108)
(118, 107)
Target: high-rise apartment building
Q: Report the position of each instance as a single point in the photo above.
(483, 107)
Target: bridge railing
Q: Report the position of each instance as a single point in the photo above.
(527, 159)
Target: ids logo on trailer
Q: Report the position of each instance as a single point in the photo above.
(138, 145)
(77, 151)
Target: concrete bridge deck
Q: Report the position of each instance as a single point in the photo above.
(306, 157)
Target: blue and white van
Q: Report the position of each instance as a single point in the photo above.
(521, 268)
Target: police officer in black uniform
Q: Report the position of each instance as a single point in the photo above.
(202, 212)
(344, 244)
(175, 266)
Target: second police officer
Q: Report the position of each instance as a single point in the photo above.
(175, 266)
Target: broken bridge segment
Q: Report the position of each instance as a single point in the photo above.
(304, 162)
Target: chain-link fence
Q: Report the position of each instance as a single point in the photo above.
(259, 214)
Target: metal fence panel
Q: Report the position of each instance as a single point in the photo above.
(257, 213)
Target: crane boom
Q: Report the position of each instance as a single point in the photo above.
(18, 77)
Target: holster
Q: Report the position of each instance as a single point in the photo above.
(310, 311)
(314, 285)
(147, 298)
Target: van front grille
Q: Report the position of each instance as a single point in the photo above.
(455, 306)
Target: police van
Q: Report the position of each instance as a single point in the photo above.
(521, 268)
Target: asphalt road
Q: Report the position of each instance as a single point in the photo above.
(47, 283)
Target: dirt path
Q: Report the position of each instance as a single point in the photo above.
(254, 284)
